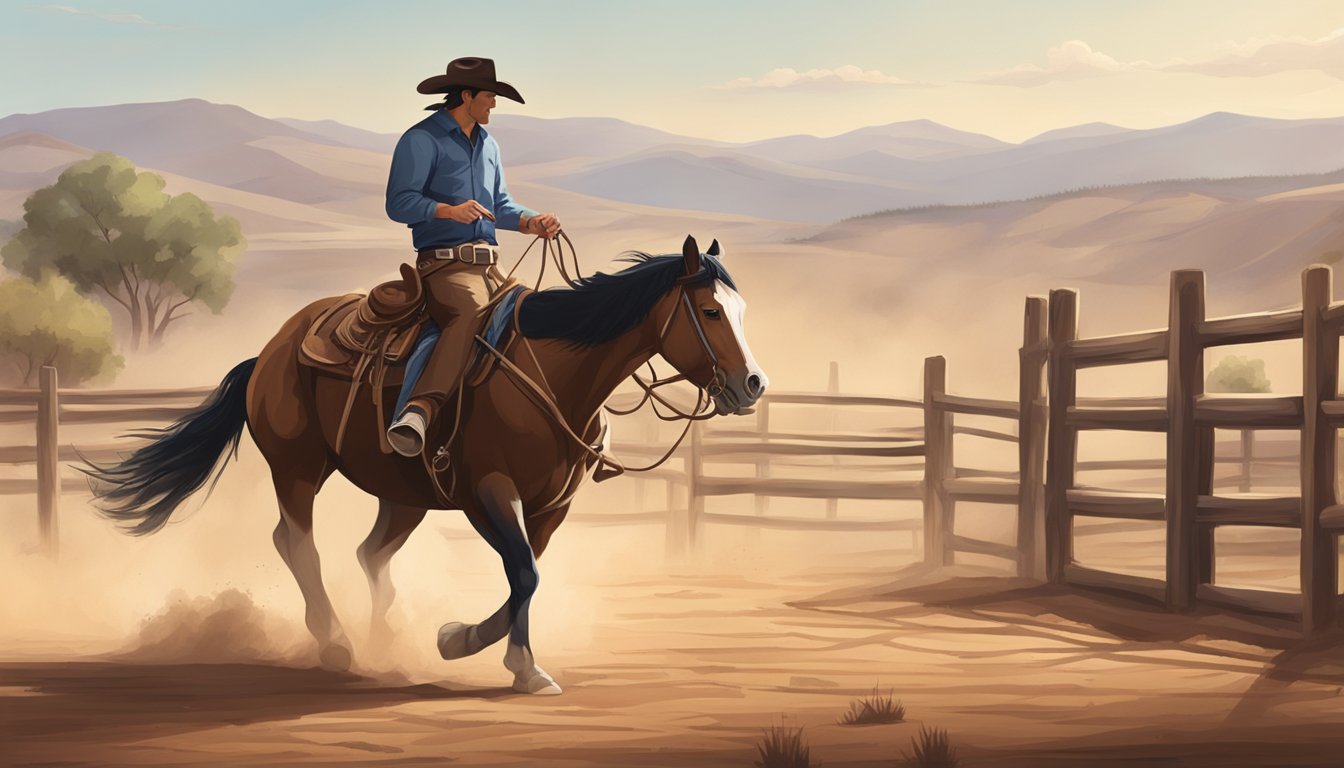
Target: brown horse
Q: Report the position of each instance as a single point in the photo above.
(513, 466)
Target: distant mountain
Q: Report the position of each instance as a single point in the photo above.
(1220, 145)
(911, 140)
(211, 142)
(154, 130)
(344, 134)
(733, 182)
(525, 140)
(1086, 130)
(800, 178)
(1249, 232)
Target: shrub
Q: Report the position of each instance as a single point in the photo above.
(1235, 373)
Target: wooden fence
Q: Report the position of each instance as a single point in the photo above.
(939, 486)
(1042, 488)
(1189, 507)
(51, 408)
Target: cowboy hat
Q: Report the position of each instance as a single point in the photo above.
(470, 72)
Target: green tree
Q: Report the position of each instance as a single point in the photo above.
(114, 231)
(48, 322)
(1237, 374)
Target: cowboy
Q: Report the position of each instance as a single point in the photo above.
(447, 185)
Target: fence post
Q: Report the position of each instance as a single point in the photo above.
(1204, 559)
(937, 463)
(1031, 441)
(48, 459)
(763, 465)
(682, 524)
(833, 388)
(695, 502)
(1247, 458)
(1320, 381)
(1062, 442)
(641, 484)
(1185, 383)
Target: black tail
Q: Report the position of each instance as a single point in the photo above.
(150, 484)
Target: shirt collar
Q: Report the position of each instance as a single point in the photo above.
(451, 125)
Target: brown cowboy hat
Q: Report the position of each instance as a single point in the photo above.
(469, 72)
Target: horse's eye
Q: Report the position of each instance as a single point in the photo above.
(712, 314)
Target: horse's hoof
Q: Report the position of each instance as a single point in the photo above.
(539, 684)
(455, 640)
(335, 658)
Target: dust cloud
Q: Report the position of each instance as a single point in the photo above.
(210, 587)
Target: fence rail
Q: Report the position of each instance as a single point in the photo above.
(917, 462)
(1188, 416)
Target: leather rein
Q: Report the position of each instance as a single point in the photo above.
(545, 397)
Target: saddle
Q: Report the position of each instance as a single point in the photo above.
(368, 339)
(385, 323)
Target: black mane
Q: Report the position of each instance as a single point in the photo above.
(597, 309)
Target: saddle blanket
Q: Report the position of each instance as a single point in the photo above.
(424, 344)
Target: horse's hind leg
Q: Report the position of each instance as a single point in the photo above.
(294, 541)
(394, 525)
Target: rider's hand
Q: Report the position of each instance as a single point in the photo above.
(545, 225)
(466, 213)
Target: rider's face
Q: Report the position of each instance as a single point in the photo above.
(479, 106)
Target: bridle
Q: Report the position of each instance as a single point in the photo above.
(705, 395)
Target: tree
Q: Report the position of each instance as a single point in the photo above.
(1237, 374)
(112, 230)
(49, 323)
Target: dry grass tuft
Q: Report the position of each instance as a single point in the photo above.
(933, 749)
(874, 710)
(782, 747)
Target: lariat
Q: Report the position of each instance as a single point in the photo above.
(545, 399)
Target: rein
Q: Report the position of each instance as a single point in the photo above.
(541, 392)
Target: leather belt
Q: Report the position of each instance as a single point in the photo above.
(467, 253)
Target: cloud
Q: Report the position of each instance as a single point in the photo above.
(111, 18)
(1257, 58)
(1076, 60)
(1070, 60)
(792, 78)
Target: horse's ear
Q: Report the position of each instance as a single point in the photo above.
(691, 252)
(713, 248)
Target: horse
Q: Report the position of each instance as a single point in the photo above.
(524, 441)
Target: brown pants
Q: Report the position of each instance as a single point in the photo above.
(455, 295)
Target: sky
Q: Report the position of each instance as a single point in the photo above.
(733, 71)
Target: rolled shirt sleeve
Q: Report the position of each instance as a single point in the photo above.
(507, 210)
(412, 163)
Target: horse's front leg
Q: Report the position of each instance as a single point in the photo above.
(503, 511)
(458, 640)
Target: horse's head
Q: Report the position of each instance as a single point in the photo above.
(703, 336)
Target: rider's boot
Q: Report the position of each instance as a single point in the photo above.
(407, 433)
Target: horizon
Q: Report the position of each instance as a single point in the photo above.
(914, 120)
(1010, 72)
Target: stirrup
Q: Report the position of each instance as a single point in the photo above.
(407, 434)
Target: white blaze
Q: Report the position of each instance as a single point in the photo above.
(735, 310)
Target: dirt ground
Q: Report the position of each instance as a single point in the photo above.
(687, 670)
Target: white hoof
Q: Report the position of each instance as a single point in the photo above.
(458, 640)
(538, 684)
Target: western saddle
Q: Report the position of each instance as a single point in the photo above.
(368, 339)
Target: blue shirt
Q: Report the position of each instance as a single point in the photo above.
(435, 162)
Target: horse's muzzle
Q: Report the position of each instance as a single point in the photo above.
(737, 395)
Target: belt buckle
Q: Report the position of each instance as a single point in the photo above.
(480, 254)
